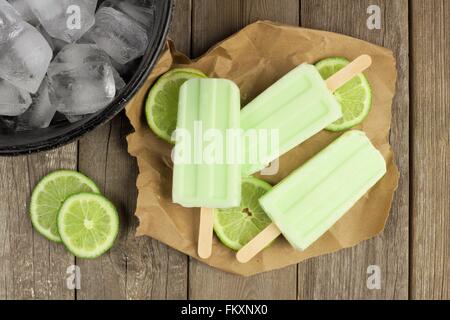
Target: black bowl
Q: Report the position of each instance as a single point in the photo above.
(63, 132)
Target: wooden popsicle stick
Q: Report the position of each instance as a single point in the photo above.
(348, 72)
(258, 243)
(205, 233)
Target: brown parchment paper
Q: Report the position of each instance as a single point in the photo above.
(255, 58)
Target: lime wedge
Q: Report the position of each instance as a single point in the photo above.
(162, 102)
(235, 227)
(49, 195)
(88, 224)
(355, 96)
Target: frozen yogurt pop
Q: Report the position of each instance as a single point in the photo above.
(313, 198)
(297, 106)
(205, 175)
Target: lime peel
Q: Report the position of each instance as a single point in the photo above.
(49, 195)
(90, 232)
(162, 102)
(355, 96)
(236, 226)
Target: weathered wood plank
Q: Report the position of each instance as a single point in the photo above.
(213, 21)
(343, 275)
(31, 267)
(430, 144)
(181, 26)
(136, 268)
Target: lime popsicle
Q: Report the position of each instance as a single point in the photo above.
(297, 106)
(314, 197)
(203, 176)
(207, 107)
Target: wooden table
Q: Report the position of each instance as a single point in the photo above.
(413, 252)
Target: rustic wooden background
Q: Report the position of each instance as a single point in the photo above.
(413, 252)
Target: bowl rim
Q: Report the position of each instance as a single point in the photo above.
(116, 106)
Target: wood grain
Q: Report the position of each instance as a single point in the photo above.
(430, 144)
(343, 275)
(136, 268)
(181, 26)
(213, 20)
(31, 267)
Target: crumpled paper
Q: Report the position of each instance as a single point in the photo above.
(255, 58)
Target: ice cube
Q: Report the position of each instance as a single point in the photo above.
(9, 16)
(66, 20)
(81, 90)
(82, 53)
(40, 113)
(13, 101)
(122, 37)
(25, 11)
(24, 53)
(143, 11)
(81, 80)
(73, 119)
(118, 81)
(24, 57)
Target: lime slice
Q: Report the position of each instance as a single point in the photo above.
(355, 96)
(88, 224)
(235, 227)
(49, 195)
(162, 102)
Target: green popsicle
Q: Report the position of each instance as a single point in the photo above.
(310, 201)
(313, 198)
(207, 108)
(297, 107)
